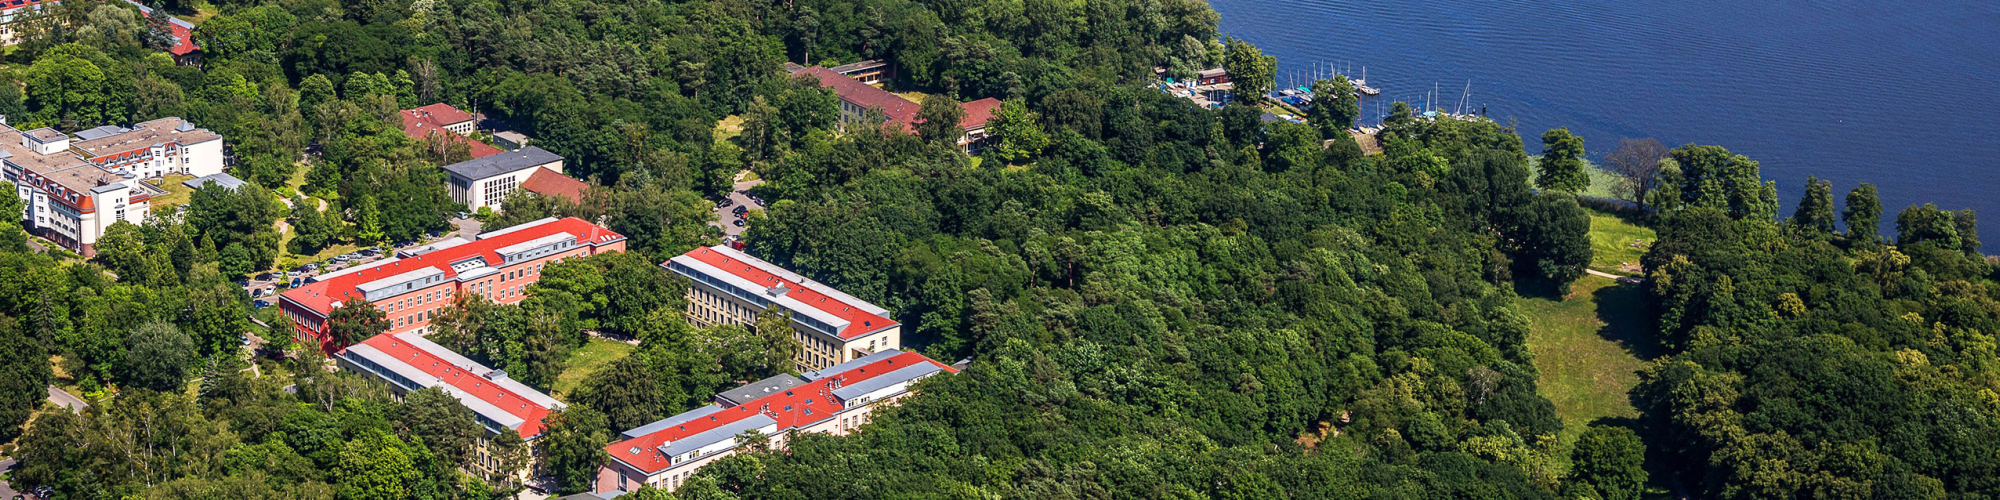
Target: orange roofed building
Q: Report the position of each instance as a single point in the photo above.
(857, 97)
(727, 286)
(413, 287)
(448, 124)
(837, 400)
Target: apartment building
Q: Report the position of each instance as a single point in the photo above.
(486, 182)
(12, 12)
(76, 187)
(413, 289)
(409, 362)
(728, 286)
(837, 400)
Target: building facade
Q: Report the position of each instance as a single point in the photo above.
(486, 182)
(727, 286)
(13, 12)
(77, 187)
(409, 362)
(837, 400)
(859, 97)
(413, 289)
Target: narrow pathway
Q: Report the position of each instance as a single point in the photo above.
(1621, 279)
(65, 399)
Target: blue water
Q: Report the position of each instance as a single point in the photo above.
(1903, 94)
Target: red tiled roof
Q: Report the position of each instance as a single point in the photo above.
(900, 110)
(977, 113)
(859, 321)
(552, 183)
(788, 408)
(425, 121)
(473, 384)
(183, 41)
(320, 296)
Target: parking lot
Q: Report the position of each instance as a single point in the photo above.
(264, 287)
(726, 215)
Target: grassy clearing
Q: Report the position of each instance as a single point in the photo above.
(1612, 243)
(728, 128)
(177, 194)
(1588, 348)
(593, 356)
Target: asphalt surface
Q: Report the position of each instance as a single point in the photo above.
(65, 399)
(7, 490)
(725, 216)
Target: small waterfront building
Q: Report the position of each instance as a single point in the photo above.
(1212, 76)
(837, 400)
(727, 286)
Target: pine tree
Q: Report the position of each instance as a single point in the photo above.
(1863, 215)
(1815, 212)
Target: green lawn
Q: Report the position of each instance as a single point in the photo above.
(1612, 243)
(593, 356)
(177, 194)
(1588, 349)
(728, 128)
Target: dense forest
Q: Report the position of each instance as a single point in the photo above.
(1157, 300)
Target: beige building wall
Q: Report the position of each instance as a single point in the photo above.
(708, 306)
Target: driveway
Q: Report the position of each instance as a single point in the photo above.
(65, 399)
(467, 228)
(724, 217)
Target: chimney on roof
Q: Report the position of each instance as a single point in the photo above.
(779, 290)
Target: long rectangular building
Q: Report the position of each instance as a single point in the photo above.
(731, 287)
(409, 362)
(498, 265)
(837, 400)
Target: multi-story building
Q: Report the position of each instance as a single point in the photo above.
(728, 286)
(153, 148)
(184, 50)
(837, 400)
(412, 290)
(76, 187)
(486, 182)
(857, 97)
(409, 362)
(12, 12)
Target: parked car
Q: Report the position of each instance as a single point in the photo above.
(260, 303)
(264, 277)
(739, 222)
(739, 211)
(726, 202)
(296, 282)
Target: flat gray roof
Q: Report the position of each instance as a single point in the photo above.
(716, 435)
(878, 382)
(751, 391)
(481, 168)
(662, 424)
(220, 179)
(857, 363)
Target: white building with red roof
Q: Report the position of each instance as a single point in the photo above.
(857, 96)
(413, 288)
(409, 362)
(837, 400)
(728, 286)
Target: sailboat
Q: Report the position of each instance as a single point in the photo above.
(1362, 84)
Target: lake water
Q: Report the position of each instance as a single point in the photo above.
(1902, 94)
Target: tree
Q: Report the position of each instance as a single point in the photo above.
(123, 251)
(510, 453)
(627, 392)
(938, 120)
(573, 446)
(1815, 212)
(355, 321)
(1334, 106)
(1611, 460)
(1561, 167)
(1016, 135)
(1251, 73)
(1713, 177)
(67, 88)
(159, 30)
(781, 343)
(1637, 163)
(1927, 223)
(158, 356)
(377, 466)
(438, 420)
(1863, 215)
(368, 221)
(315, 91)
(24, 371)
(1552, 235)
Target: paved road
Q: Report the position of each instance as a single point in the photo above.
(725, 217)
(1621, 279)
(7, 490)
(65, 399)
(468, 228)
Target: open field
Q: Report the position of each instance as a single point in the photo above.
(593, 356)
(1612, 243)
(177, 194)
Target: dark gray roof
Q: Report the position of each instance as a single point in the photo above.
(481, 168)
(878, 382)
(224, 180)
(712, 436)
(758, 389)
(857, 363)
(101, 132)
(682, 418)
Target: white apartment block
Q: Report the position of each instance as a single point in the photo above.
(731, 287)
